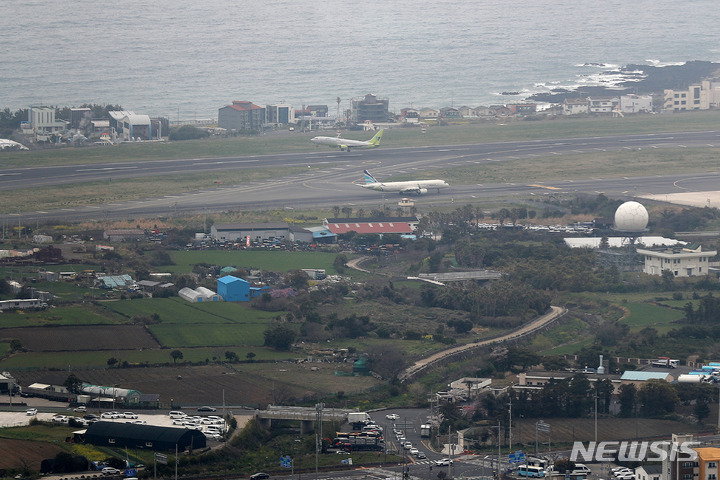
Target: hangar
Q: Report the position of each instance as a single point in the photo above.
(143, 436)
(256, 231)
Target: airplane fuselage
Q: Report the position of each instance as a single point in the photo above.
(417, 187)
(340, 142)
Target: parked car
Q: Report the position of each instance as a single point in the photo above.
(130, 415)
(59, 419)
(31, 411)
(109, 415)
(110, 471)
(259, 476)
(177, 414)
(206, 409)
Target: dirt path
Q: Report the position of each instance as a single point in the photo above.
(528, 328)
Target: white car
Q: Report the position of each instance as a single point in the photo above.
(81, 408)
(59, 419)
(443, 462)
(177, 414)
(414, 451)
(129, 415)
(392, 416)
(31, 411)
(109, 415)
(619, 470)
(110, 471)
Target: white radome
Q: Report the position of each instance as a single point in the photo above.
(631, 217)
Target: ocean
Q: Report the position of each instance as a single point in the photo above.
(184, 59)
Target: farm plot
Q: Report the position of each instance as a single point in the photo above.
(58, 339)
(644, 315)
(25, 453)
(58, 316)
(203, 335)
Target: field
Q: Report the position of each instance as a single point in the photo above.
(16, 453)
(643, 315)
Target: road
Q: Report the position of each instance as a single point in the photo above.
(328, 181)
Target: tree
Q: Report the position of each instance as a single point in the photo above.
(298, 280)
(347, 211)
(701, 410)
(279, 338)
(628, 394)
(336, 211)
(112, 361)
(176, 355)
(16, 345)
(231, 356)
(657, 398)
(73, 383)
(250, 356)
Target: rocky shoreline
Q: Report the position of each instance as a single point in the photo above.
(652, 80)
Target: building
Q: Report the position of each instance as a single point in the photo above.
(279, 115)
(697, 97)
(649, 472)
(706, 465)
(683, 261)
(536, 380)
(80, 118)
(234, 232)
(242, 116)
(636, 104)
(7, 383)
(575, 106)
(233, 289)
(523, 108)
(21, 304)
(632, 377)
(450, 112)
(399, 225)
(115, 281)
(429, 113)
(370, 109)
(603, 104)
(151, 437)
(42, 124)
(199, 295)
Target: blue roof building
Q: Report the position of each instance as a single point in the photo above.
(233, 289)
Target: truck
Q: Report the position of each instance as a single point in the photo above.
(665, 362)
(425, 430)
(358, 419)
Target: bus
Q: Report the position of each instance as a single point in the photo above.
(530, 471)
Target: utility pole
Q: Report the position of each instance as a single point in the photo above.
(510, 423)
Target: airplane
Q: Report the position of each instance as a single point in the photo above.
(346, 144)
(418, 187)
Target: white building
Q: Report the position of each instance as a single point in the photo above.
(636, 104)
(41, 123)
(575, 106)
(279, 115)
(687, 261)
(705, 96)
(603, 104)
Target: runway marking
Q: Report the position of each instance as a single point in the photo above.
(682, 146)
(40, 211)
(68, 209)
(544, 186)
(106, 169)
(9, 174)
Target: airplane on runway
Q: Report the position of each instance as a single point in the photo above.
(346, 144)
(418, 187)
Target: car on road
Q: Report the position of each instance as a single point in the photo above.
(619, 470)
(129, 415)
(110, 471)
(392, 416)
(81, 408)
(443, 462)
(177, 414)
(206, 409)
(421, 455)
(259, 476)
(407, 445)
(414, 451)
(31, 411)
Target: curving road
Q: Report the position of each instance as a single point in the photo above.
(329, 181)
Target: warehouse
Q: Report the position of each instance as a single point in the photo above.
(152, 437)
(255, 231)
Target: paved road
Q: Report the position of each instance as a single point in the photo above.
(539, 322)
(329, 180)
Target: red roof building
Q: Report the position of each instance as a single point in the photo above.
(400, 225)
(241, 115)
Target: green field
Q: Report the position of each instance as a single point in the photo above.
(644, 315)
(75, 315)
(267, 260)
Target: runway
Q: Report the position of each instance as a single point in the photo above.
(329, 180)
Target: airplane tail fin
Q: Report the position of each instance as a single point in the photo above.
(375, 141)
(369, 178)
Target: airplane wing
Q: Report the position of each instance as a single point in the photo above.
(417, 190)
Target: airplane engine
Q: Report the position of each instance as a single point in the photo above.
(422, 191)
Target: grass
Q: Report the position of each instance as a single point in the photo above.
(75, 315)
(174, 336)
(125, 189)
(643, 315)
(266, 260)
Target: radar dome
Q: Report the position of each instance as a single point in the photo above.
(631, 217)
